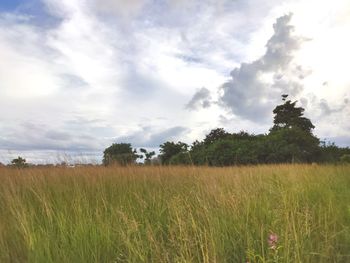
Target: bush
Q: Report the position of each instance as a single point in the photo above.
(345, 158)
(119, 153)
(19, 162)
(182, 158)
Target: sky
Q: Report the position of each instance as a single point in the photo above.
(79, 75)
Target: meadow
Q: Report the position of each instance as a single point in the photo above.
(176, 214)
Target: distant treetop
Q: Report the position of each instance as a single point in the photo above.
(287, 115)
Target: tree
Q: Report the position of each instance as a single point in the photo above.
(291, 145)
(234, 150)
(19, 162)
(119, 153)
(291, 138)
(221, 153)
(148, 155)
(331, 153)
(170, 149)
(182, 158)
(198, 153)
(287, 115)
(216, 134)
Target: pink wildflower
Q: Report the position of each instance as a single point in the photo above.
(272, 241)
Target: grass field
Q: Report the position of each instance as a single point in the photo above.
(175, 214)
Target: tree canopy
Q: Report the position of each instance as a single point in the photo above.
(287, 115)
(119, 153)
(170, 149)
(215, 135)
(289, 140)
(148, 155)
(19, 162)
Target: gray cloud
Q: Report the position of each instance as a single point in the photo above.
(77, 135)
(201, 98)
(281, 46)
(328, 110)
(123, 8)
(147, 137)
(58, 135)
(256, 87)
(50, 141)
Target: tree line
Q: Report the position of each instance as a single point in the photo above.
(290, 140)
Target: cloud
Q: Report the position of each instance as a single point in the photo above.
(51, 156)
(78, 134)
(151, 138)
(126, 9)
(77, 74)
(327, 110)
(255, 87)
(201, 98)
(171, 134)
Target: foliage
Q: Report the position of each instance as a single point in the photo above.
(182, 158)
(231, 152)
(170, 149)
(215, 135)
(282, 146)
(290, 140)
(148, 155)
(292, 145)
(287, 115)
(198, 153)
(19, 162)
(119, 153)
(345, 158)
(330, 153)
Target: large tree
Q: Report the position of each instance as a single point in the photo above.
(119, 153)
(287, 115)
(291, 138)
(291, 145)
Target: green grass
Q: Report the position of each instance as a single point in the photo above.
(175, 214)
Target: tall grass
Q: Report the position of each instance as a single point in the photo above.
(175, 214)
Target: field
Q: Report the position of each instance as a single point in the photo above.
(175, 214)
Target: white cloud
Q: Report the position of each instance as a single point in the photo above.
(126, 9)
(131, 63)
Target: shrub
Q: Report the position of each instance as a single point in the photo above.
(345, 158)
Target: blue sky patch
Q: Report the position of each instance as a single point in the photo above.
(11, 5)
